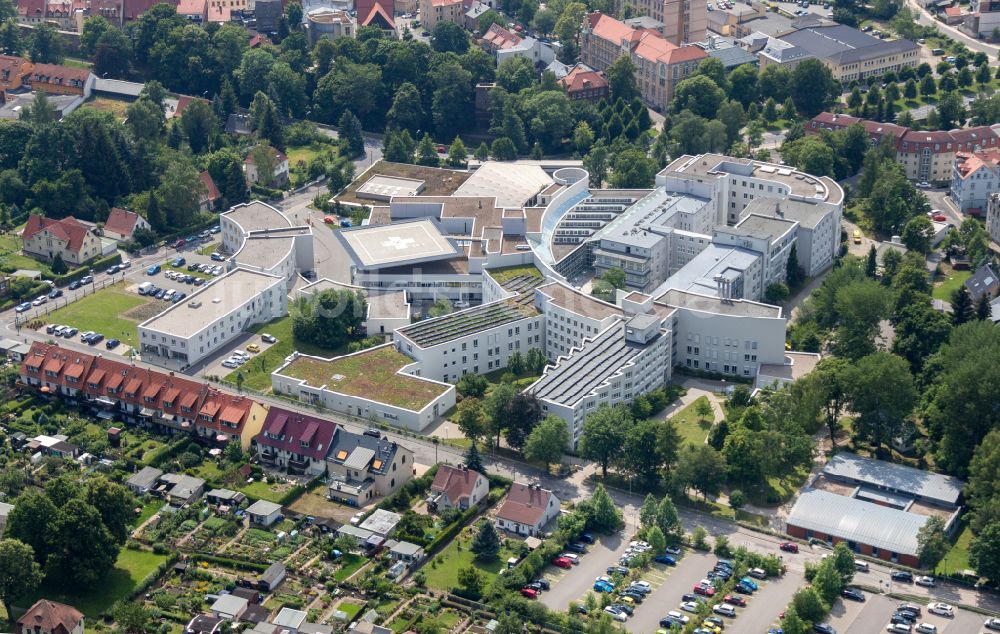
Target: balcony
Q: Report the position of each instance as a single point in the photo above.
(269, 458)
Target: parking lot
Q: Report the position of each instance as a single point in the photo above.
(764, 606)
(574, 584)
(849, 617)
(681, 579)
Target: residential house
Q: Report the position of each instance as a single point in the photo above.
(974, 176)
(54, 446)
(295, 443)
(122, 224)
(379, 15)
(983, 282)
(263, 513)
(272, 577)
(49, 617)
(61, 80)
(527, 509)
(179, 489)
(584, 83)
(364, 467)
(278, 168)
(229, 607)
(13, 71)
(290, 620)
(194, 10)
(442, 11)
(225, 417)
(210, 198)
(504, 44)
(45, 238)
(225, 497)
(660, 63)
(457, 487)
(204, 624)
(983, 18)
(144, 480)
(406, 552)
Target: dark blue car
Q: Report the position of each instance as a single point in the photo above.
(665, 559)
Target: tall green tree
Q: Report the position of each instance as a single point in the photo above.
(486, 544)
(604, 435)
(547, 441)
(811, 86)
(932, 542)
(962, 308)
(20, 574)
(621, 79)
(45, 45)
(882, 394)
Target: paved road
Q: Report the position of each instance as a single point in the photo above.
(925, 19)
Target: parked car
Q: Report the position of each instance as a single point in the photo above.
(112, 269)
(38, 301)
(992, 623)
(616, 614)
(747, 581)
(562, 562)
(621, 570)
(153, 270)
(689, 606)
(861, 566)
(757, 573)
(704, 589)
(902, 617)
(75, 284)
(624, 606)
(677, 616)
(734, 600)
(95, 339)
(178, 243)
(54, 293)
(111, 344)
(70, 332)
(125, 264)
(543, 583)
(925, 581)
(902, 575)
(215, 229)
(853, 594)
(941, 609)
(824, 628)
(911, 608)
(573, 558)
(23, 306)
(216, 256)
(899, 628)
(665, 559)
(789, 547)
(575, 547)
(926, 628)
(230, 363)
(86, 279)
(529, 593)
(672, 550)
(725, 609)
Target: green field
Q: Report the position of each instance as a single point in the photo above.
(949, 284)
(957, 558)
(690, 426)
(257, 371)
(132, 567)
(442, 571)
(102, 312)
(350, 563)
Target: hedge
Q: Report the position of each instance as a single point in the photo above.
(451, 530)
(95, 265)
(167, 452)
(229, 562)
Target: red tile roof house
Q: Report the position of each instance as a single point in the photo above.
(280, 168)
(527, 509)
(210, 197)
(49, 617)
(585, 83)
(295, 443)
(122, 223)
(141, 396)
(76, 242)
(457, 487)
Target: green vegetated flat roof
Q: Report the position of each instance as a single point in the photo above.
(449, 327)
(371, 374)
(518, 279)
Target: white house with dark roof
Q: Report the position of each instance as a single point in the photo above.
(527, 509)
(263, 513)
(364, 467)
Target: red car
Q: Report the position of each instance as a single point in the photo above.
(734, 600)
(562, 562)
(529, 593)
(940, 218)
(789, 547)
(707, 591)
(178, 244)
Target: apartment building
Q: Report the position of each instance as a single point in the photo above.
(295, 443)
(974, 177)
(660, 63)
(925, 155)
(442, 11)
(683, 21)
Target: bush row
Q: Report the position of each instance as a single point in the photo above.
(96, 265)
(229, 562)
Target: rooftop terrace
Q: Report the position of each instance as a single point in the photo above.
(372, 374)
(518, 279)
(449, 327)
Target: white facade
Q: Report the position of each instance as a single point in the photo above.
(483, 349)
(213, 316)
(571, 316)
(993, 217)
(261, 238)
(973, 179)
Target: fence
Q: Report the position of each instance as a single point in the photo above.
(51, 305)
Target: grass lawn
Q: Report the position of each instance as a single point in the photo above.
(257, 372)
(209, 248)
(350, 564)
(315, 503)
(102, 312)
(149, 509)
(304, 153)
(10, 254)
(349, 608)
(947, 284)
(76, 63)
(442, 572)
(117, 107)
(958, 557)
(261, 489)
(692, 428)
(132, 567)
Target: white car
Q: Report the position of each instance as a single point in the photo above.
(617, 615)
(941, 609)
(605, 579)
(925, 581)
(229, 363)
(86, 334)
(689, 606)
(992, 623)
(926, 628)
(898, 628)
(638, 543)
(643, 584)
(41, 299)
(683, 618)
